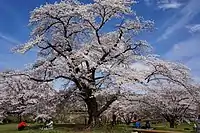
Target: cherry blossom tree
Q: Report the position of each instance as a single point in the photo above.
(172, 101)
(128, 106)
(3, 106)
(75, 44)
(123, 109)
(68, 103)
(177, 73)
(22, 96)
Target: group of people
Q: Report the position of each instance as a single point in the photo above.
(137, 124)
(47, 125)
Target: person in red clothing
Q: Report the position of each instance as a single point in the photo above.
(22, 125)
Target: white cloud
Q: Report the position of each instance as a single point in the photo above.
(9, 39)
(186, 15)
(189, 47)
(188, 53)
(170, 5)
(12, 43)
(164, 4)
(193, 28)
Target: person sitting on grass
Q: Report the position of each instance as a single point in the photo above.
(22, 125)
(138, 124)
(134, 123)
(48, 125)
(147, 125)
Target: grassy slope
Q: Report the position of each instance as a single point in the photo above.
(11, 128)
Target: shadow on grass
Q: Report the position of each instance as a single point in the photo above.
(70, 127)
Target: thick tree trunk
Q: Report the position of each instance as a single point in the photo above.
(172, 123)
(114, 119)
(85, 121)
(19, 117)
(92, 111)
(171, 119)
(128, 118)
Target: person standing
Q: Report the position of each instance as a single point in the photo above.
(198, 125)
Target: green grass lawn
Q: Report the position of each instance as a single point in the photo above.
(185, 128)
(12, 128)
(67, 128)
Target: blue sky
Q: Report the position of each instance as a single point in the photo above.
(177, 37)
